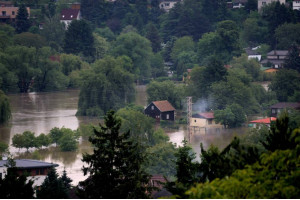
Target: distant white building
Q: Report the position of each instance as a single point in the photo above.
(296, 5)
(262, 3)
(167, 5)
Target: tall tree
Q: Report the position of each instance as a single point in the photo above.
(5, 112)
(22, 20)
(115, 166)
(94, 11)
(293, 61)
(79, 39)
(52, 187)
(153, 35)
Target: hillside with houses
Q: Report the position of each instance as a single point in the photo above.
(207, 66)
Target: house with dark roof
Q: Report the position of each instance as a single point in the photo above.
(35, 169)
(160, 110)
(167, 5)
(277, 58)
(68, 15)
(252, 54)
(204, 120)
(266, 121)
(278, 107)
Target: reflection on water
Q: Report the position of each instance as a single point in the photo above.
(40, 112)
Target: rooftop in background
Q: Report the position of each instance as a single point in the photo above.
(163, 106)
(69, 14)
(278, 52)
(205, 115)
(295, 105)
(25, 163)
(6, 4)
(264, 121)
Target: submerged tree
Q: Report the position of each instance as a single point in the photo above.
(115, 166)
(5, 113)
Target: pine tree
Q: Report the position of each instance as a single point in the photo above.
(153, 36)
(293, 61)
(14, 186)
(66, 180)
(115, 166)
(5, 112)
(22, 23)
(52, 187)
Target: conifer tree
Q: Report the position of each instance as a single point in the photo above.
(115, 168)
(22, 20)
(293, 61)
(52, 187)
(66, 180)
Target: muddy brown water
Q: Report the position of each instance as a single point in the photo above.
(40, 112)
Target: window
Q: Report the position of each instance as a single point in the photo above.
(195, 120)
(71, 16)
(273, 111)
(63, 16)
(152, 107)
(209, 121)
(167, 116)
(37, 172)
(3, 13)
(264, 3)
(13, 12)
(42, 171)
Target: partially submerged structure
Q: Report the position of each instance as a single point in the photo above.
(160, 110)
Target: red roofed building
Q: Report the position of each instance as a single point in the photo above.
(160, 110)
(265, 121)
(68, 15)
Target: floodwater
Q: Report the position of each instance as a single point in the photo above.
(40, 112)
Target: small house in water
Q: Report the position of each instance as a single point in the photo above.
(160, 110)
(205, 121)
(265, 121)
(35, 169)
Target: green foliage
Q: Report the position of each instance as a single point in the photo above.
(101, 46)
(285, 84)
(138, 49)
(153, 36)
(232, 116)
(29, 40)
(161, 159)
(15, 186)
(70, 63)
(252, 66)
(52, 187)
(115, 166)
(54, 32)
(157, 65)
(24, 140)
(140, 126)
(43, 140)
(22, 20)
(68, 140)
(3, 148)
(107, 85)
(293, 61)
(55, 134)
(287, 34)
(165, 90)
(186, 171)
(66, 180)
(79, 39)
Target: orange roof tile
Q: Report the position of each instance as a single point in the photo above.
(163, 106)
(264, 121)
(271, 70)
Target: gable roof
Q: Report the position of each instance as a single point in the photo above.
(163, 106)
(205, 115)
(278, 52)
(26, 163)
(69, 14)
(264, 121)
(295, 105)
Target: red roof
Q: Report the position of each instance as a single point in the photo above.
(264, 121)
(163, 106)
(69, 14)
(206, 115)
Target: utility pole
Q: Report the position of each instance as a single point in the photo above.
(189, 116)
